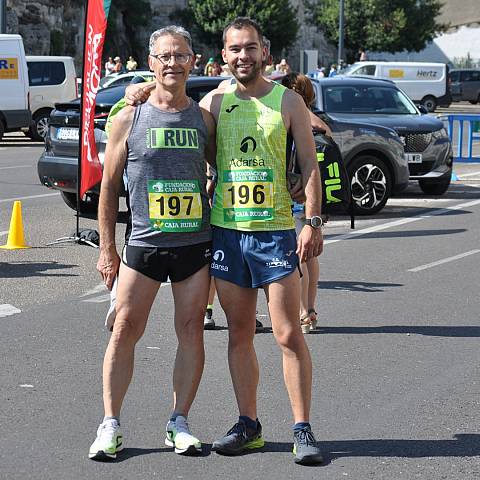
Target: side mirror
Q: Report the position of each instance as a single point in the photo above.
(422, 109)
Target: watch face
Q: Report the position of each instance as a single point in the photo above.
(316, 222)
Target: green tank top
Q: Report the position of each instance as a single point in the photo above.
(251, 192)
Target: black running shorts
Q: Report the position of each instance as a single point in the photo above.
(160, 263)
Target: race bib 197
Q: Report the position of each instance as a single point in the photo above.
(175, 205)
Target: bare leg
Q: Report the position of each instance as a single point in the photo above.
(313, 276)
(190, 297)
(135, 296)
(211, 292)
(283, 305)
(239, 305)
(304, 288)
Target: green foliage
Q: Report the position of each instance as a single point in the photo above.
(380, 25)
(57, 43)
(277, 19)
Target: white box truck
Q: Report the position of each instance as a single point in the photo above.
(14, 93)
(425, 83)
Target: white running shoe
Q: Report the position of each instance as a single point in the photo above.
(109, 441)
(179, 436)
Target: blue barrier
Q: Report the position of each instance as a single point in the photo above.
(473, 134)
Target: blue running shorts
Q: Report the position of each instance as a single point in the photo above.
(253, 259)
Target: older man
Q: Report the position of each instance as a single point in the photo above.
(162, 146)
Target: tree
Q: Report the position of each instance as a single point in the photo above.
(277, 18)
(380, 25)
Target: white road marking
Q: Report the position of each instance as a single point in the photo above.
(17, 166)
(466, 175)
(154, 348)
(99, 299)
(402, 221)
(99, 288)
(6, 200)
(444, 260)
(26, 385)
(403, 201)
(7, 310)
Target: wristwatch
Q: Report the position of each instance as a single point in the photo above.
(314, 222)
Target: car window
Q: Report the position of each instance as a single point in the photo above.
(454, 76)
(197, 93)
(365, 70)
(364, 99)
(110, 94)
(45, 73)
(473, 76)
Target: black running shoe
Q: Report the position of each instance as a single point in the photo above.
(259, 328)
(238, 439)
(305, 448)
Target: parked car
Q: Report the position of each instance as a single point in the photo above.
(52, 80)
(57, 165)
(362, 145)
(427, 147)
(14, 98)
(465, 85)
(425, 83)
(116, 79)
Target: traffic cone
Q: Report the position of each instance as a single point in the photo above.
(15, 234)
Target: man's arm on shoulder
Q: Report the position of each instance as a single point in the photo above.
(115, 157)
(139, 92)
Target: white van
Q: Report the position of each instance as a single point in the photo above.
(52, 80)
(14, 106)
(425, 83)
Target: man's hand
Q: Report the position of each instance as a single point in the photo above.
(108, 265)
(138, 93)
(309, 243)
(210, 191)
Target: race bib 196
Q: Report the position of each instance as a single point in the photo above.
(247, 195)
(175, 205)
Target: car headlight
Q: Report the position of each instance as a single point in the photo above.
(442, 133)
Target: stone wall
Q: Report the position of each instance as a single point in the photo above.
(55, 27)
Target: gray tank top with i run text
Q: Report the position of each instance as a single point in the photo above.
(166, 175)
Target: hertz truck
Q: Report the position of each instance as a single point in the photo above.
(425, 83)
(14, 94)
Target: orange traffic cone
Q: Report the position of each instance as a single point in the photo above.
(15, 234)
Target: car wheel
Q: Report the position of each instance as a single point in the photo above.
(437, 188)
(87, 206)
(430, 103)
(474, 102)
(371, 184)
(38, 131)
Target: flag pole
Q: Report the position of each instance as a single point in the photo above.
(80, 125)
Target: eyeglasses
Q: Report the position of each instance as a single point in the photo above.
(180, 58)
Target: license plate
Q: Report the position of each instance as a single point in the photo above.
(413, 157)
(67, 133)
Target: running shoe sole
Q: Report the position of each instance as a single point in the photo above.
(257, 443)
(101, 456)
(191, 450)
(314, 459)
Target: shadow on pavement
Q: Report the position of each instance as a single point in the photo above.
(137, 452)
(461, 331)
(34, 269)
(369, 287)
(463, 445)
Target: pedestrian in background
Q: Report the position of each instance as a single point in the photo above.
(109, 66)
(131, 64)
(333, 71)
(118, 68)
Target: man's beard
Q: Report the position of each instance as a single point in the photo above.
(253, 75)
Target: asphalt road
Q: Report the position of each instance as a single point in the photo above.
(396, 361)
